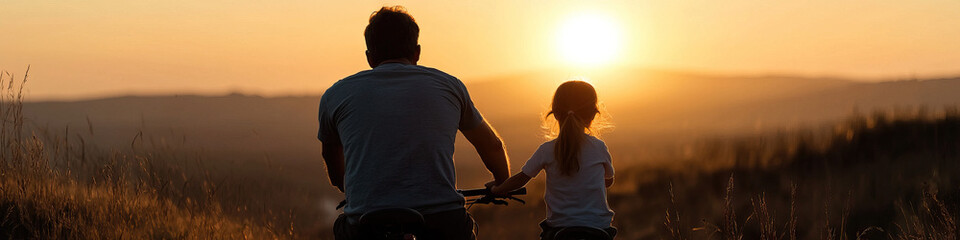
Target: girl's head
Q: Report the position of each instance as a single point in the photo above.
(574, 107)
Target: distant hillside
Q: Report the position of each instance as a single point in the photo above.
(651, 101)
(648, 108)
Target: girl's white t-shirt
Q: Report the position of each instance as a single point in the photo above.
(581, 198)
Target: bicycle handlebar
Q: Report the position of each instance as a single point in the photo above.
(485, 196)
(485, 191)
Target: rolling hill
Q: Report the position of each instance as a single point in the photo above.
(651, 110)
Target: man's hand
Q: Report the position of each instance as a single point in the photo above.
(491, 151)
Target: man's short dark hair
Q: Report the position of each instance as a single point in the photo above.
(391, 33)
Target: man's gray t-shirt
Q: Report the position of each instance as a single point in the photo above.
(398, 123)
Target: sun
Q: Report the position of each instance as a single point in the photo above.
(588, 40)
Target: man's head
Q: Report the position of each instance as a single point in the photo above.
(392, 35)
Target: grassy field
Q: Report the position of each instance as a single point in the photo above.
(884, 175)
(887, 175)
(55, 186)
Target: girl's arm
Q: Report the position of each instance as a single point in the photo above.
(511, 184)
(608, 182)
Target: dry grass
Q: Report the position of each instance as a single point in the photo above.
(672, 220)
(55, 187)
(875, 177)
(933, 220)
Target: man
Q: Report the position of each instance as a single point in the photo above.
(388, 134)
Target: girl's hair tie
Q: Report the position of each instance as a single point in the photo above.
(570, 112)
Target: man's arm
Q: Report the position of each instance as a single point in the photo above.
(333, 157)
(491, 151)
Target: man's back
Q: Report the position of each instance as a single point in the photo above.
(397, 124)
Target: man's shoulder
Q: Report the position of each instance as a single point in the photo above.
(356, 76)
(437, 74)
(436, 71)
(347, 81)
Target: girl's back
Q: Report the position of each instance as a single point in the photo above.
(578, 165)
(580, 198)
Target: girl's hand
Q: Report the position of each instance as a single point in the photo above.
(493, 187)
(490, 185)
(510, 184)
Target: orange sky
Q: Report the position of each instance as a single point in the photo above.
(82, 49)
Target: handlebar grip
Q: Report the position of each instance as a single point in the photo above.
(474, 192)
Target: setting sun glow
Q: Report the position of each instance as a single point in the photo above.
(588, 40)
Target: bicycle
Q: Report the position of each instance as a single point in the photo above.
(405, 223)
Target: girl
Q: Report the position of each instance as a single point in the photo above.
(578, 165)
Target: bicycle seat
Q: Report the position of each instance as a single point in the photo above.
(403, 218)
(582, 233)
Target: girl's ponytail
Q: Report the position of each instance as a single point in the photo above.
(568, 144)
(574, 107)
